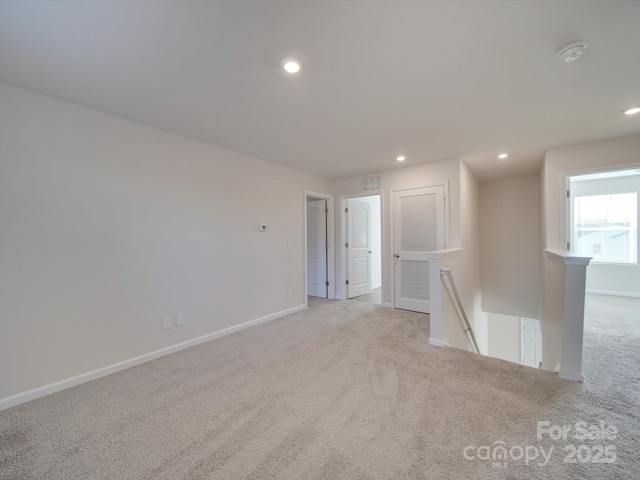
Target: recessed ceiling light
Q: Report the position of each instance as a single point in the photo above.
(632, 111)
(503, 155)
(401, 158)
(291, 65)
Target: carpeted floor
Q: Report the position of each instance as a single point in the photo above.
(342, 390)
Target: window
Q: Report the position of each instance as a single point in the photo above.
(606, 227)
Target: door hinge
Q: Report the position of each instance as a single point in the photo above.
(326, 210)
(347, 282)
(327, 283)
(346, 210)
(568, 246)
(346, 244)
(326, 246)
(568, 193)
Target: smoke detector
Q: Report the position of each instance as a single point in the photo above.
(571, 52)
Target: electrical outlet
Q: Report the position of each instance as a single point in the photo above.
(166, 322)
(289, 292)
(180, 319)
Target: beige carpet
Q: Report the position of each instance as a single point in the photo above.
(342, 390)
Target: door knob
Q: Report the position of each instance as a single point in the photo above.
(397, 255)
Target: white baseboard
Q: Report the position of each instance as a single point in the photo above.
(377, 285)
(434, 342)
(615, 294)
(29, 395)
(573, 376)
(386, 305)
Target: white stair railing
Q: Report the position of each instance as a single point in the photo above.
(445, 272)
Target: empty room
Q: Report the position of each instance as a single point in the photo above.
(319, 239)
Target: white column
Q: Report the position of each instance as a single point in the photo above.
(435, 300)
(575, 270)
(573, 326)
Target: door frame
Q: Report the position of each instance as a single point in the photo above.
(341, 290)
(447, 244)
(331, 291)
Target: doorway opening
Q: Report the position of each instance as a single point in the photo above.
(602, 224)
(318, 246)
(363, 248)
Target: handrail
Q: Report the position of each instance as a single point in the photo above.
(447, 272)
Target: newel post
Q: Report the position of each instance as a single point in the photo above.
(573, 321)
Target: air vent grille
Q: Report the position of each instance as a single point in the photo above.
(372, 183)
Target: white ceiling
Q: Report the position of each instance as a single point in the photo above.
(431, 80)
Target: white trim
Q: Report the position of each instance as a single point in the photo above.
(573, 376)
(29, 395)
(386, 305)
(434, 342)
(569, 258)
(377, 285)
(331, 276)
(615, 294)
(440, 254)
(522, 345)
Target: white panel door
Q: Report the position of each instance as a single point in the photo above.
(317, 248)
(418, 228)
(531, 343)
(359, 248)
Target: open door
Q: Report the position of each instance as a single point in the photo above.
(418, 228)
(317, 246)
(358, 248)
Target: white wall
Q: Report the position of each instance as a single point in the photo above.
(108, 225)
(468, 277)
(504, 337)
(611, 278)
(453, 326)
(465, 269)
(552, 314)
(509, 239)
